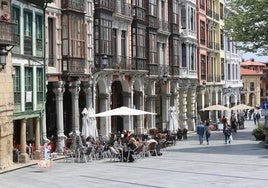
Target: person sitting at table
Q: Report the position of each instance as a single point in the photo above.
(131, 145)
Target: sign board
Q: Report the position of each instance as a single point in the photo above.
(264, 112)
(264, 105)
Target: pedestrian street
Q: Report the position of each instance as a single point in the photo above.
(243, 163)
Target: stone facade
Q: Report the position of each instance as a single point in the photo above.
(6, 116)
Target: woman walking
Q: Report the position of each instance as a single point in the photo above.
(227, 133)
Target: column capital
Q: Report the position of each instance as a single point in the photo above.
(58, 87)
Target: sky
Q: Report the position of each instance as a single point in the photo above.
(247, 56)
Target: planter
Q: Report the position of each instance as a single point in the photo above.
(260, 137)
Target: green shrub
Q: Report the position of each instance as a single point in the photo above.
(259, 130)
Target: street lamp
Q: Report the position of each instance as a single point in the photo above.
(104, 61)
(3, 56)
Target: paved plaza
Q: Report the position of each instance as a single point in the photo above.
(243, 163)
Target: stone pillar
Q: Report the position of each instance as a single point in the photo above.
(150, 103)
(23, 158)
(74, 89)
(88, 87)
(140, 118)
(59, 89)
(105, 122)
(165, 108)
(37, 152)
(183, 108)
(192, 109)
(128, 120)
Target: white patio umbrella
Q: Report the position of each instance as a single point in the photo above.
(93, 131)
(215, 108)
(173, 121)
(85, 123)
(241, 107)
(122, 111)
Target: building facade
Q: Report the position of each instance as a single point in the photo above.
(152, 55)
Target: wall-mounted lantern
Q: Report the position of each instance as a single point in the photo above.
(3, 58)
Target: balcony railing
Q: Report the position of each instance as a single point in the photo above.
(175, 28)
(139, 13)
(73, 66)
(105, 4)
(7, 33)
(163, 25)
(73, 4)
(139, 64)
(153, 22)
(123, 8)
(209, 12)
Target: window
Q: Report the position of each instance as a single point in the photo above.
(202, 4)
(17, 88)
(39, 29)
(138, 42)
(123, 43)
(51, 40)
(251, 86)
(153, 8)
(183, 18)
(114, 42)
(152, 48)
(39, 85)
(222, 40)
(28, 24)
(16, 19)
(202, 33)
(176, 17)
(221, 11)
(184, 60)
(203, 65)
(191, 18)
(28, 88)
(176, 54)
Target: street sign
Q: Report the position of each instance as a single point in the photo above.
(265, 105)
(264, 112)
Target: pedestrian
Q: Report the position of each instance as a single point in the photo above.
(200, 131)
(227, 134)
(208, 132)
(258, 116)
(254, 118)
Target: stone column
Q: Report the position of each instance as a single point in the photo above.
(74, 89)
(88, 87)
(128, 120)
(150, 103)
(23, 158)
(192, 109)
(37, 152)
(105, 122)
(140, 118)
(165, 108)
(58, 89)
(183, 108)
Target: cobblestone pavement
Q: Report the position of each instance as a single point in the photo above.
(243, 163)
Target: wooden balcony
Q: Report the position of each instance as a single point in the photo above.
(77, 5)
(7, 33)
(73, 66)
(139, 13)
(123, 9)
(105, 4)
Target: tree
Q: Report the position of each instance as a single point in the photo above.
(246, 22)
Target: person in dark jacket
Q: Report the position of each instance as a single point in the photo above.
(200, 131)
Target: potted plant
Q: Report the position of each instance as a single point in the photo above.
(259, 132)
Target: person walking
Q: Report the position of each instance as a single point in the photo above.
(208, 132)
(227, 134)
(200, 131)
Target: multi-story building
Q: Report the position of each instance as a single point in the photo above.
(145, 54)
(218, 60)
(6, 91)
(252, 74)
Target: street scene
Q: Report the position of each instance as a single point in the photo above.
(242, 163)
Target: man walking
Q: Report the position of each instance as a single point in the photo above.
(200, 131)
